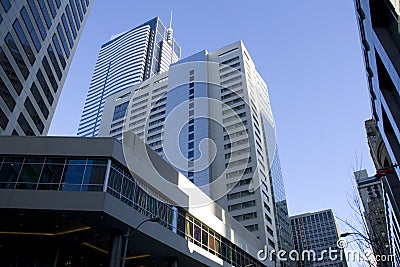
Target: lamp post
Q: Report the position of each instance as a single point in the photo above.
(130, 233)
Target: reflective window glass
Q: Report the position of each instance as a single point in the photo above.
(16, 54)
(52, 8)
(59, 51)
(34, 115)
(54, 62)
(63, 40)
(38, 20)
(30, 174)
(39, 101)
(6, 96)
(83, 6)
(50, 74)
(43, 84)
(3, 120)
(76, 18)
(9, 172)
(6, 4)
(24, 41)
(71, 20)
(45, 13)
(66, 28)
(51, 174)
(94, 175)
(31, 29)
(72, 177)
(10, 73)
(78, 5)
(23, 123)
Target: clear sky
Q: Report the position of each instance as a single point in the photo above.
(307, 51)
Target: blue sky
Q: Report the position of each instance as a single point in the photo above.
(309, 54)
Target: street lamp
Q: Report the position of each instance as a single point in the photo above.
(129, 234)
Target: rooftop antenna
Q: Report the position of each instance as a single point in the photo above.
(170, 31)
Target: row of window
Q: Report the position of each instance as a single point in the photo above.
(124, 187)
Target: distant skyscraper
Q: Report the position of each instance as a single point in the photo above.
(216, 96)
(371, 194)
(39, 39)
(378, 22)
(316, 231)
(128, 58)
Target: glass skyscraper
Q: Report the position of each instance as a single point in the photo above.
(37, 44)
(128, 58)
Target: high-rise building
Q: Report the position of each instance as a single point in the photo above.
(214, 108)
(316, 232)
(128, 58)
(378, 22)
(39, 39)
(371, 194)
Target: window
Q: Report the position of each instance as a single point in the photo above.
(54, 62)
(31, 29)
(59, 51)
(66, 28)
(120, 110)
(3, 120)
(45, 13)
(63, 40)
(10, 73)
(50, 74)
(52, 8)
(39, 100)
(191, 136)
(25, 125)
(45, 87)
(6, 96)
(38, 20)
(24, 41)
(34, 115)
(71, 21)
(191, 154)
(76, 18)
(6, 4)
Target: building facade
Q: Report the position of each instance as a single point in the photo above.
(372, 198)
(216, 96)
(378, 26)
(75, 201)
(316, 231)
(37, 44)
(128, 58)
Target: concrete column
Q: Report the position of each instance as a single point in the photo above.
(172, 262)
(115, 250)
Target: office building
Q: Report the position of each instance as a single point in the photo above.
(380, 42)
(37, 44)
(128, 58)
(214, 108)
(371, 194)
(316, 231)
(69, 201)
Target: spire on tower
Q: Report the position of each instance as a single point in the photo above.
(170, 31)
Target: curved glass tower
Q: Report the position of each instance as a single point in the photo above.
(128, 58)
